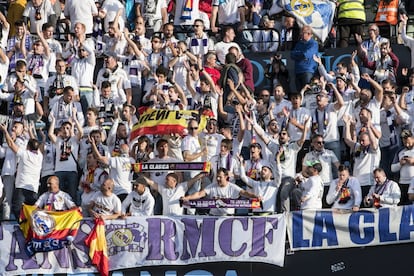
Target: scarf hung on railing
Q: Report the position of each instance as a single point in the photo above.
(187, 9)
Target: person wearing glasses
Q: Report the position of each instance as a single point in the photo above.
(328, 160)
(193, 151)
(199, 43)
(325, 119)
(371, 45)
(302, 54)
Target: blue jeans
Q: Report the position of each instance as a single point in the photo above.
(86, 98)
(68, 182)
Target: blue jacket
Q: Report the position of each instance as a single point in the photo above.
(302, 54)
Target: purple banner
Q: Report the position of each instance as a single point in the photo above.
(252, 203)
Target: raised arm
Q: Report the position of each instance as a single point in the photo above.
(379, 91)
(339, 100)
(348, 138)
(43, 41)
(151, 183)
(9, 140)
(51, 131)
(96, 152)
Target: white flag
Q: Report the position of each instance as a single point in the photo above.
(318, 14)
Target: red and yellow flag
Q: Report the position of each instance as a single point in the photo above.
(163, 121)
(98, 251)
(41, 224)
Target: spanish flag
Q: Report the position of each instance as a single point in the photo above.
(41, 224)
(48, 230)
(98, 251)
(163, 121)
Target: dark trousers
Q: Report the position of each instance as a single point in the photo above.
(21, 196)
(347, 27)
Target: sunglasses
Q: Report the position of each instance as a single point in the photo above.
(193, 128)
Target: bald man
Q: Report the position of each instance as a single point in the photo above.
(54, 199)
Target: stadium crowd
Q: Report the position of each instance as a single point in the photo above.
(75, 76)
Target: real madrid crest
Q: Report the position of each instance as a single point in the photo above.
(302, 7)
(42, 223)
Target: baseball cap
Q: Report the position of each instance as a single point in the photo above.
(111, 54)
(311, 163)
(341, 77)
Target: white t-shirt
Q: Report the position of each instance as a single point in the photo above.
(121, 174)
(365, 163)
(81, 11)
(111, 8)
(229, 191)
(106, 205)
(228, 11)
(171, 198)
(59, 201)
(222, 49)
(65, 151)
(213, 142)
(9, 165)
(28, 169)
(327, 158)
(313, 190)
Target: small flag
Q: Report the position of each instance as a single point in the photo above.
(98, 251)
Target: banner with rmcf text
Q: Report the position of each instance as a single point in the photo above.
(325, 229)
(154, 241)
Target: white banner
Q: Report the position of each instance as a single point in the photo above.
(154, 241)
(324, 229)
(318, 14)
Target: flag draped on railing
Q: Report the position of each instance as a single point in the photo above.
(48, 230)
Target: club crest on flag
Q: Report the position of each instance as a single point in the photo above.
(318, 14)
(42, 223)
(302, 7)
